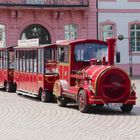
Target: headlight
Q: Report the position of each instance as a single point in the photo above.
(133, 87)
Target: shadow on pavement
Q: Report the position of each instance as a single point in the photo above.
(109, 111)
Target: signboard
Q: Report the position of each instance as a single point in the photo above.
(22, 43)
(28, 43)
(33, 42)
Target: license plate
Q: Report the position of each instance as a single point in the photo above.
(114, 104)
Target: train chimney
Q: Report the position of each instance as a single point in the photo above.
(111, 50)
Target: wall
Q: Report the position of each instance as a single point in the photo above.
(16, 19)
(122, 13)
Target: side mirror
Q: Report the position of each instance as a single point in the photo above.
(117, 57)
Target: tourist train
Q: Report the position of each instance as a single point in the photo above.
(80, 71)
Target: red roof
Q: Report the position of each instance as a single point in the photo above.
(68, 42)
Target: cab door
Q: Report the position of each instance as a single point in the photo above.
(64, 62)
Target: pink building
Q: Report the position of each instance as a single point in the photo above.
(48, 20)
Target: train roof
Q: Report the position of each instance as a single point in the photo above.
(77, 41)
(35, 47)
(7, 48)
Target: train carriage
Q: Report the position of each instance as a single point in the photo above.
(35, 71)
(7, 68)
(87, 75)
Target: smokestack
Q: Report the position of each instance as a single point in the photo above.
(111, 50)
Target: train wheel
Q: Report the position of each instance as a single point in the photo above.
(61, 102)
(99, 105)
(126, 107)
(82, 103)
(45, 96)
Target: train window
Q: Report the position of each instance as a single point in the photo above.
(24, 61)
(1, 59)
(20, 60)
(31, 61)
(5, 61)
(87, 51)
(41, 61)
(34, 61)
(48, 54)
(63, 54)
(27, 61)
(11, 60)
(16, 60)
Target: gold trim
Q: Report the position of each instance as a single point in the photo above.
(48, 81)
(64, 64)
(131, 100)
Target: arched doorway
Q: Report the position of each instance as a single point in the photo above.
(37, 31)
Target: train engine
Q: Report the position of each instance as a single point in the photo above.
(88, 76)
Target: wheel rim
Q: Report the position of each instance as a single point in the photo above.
(7, 87)
(43, 96)
(81, 101)
(57, 90)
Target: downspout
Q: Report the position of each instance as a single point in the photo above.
(97, 15)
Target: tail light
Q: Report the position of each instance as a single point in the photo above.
(114, 85)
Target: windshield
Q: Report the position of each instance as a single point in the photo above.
(87, 51)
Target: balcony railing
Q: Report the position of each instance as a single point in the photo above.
(45, 3)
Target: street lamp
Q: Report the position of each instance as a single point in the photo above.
(121, 37)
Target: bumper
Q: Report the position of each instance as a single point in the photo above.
(101, 100)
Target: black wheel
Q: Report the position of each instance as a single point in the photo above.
(126, 108)
(45, 96)
(14, 88)
(61, 102)
(99, 105)
(82, 102)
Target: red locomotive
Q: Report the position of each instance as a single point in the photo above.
(88, 76)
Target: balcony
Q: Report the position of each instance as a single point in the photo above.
(44, 3)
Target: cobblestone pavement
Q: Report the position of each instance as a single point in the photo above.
(24, 118)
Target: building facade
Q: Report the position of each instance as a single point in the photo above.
(48, 20)
(122, 17)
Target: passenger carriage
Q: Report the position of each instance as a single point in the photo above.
(7, 68)
(36, 71)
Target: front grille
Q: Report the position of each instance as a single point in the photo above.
(114, 85)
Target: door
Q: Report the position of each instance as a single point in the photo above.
(64, 64)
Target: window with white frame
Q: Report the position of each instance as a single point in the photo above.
(2, 35)
(107, 30)
(71, 31)
(135, 37)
